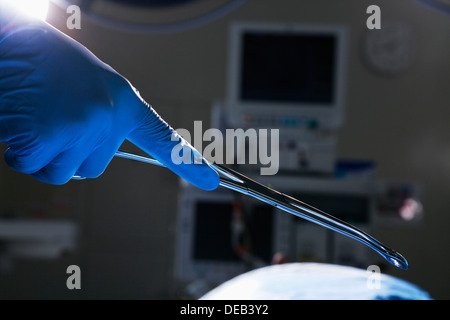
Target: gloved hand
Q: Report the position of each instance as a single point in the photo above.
(63, 112)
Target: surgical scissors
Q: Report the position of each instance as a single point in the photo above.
(238, 182)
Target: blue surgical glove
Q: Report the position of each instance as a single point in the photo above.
(63, 112)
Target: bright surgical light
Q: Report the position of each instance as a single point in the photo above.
(34, 8)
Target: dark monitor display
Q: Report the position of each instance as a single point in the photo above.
(350, 208)
(285, 71)
(213, 232)
(288, 67)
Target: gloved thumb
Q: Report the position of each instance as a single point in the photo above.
(154, 136)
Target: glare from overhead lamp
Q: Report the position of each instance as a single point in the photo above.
(34, 8)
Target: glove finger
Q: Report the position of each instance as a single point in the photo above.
(158, 139)
(63, 167)
(95, 164)
(30, 160)
(14, 127)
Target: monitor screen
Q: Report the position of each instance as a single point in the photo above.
(206, 246)
(286, 75)
(352, 208)
(213, 232)
(212, 238)
(288, 67)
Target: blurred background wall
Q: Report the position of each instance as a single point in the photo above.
(127, 216)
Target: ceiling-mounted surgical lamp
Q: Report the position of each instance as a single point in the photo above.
(95, 10)
(152, 3)
(34, 8)
(439, 5)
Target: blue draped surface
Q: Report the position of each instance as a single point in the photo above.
(315, 281)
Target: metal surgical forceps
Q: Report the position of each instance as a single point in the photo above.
(240, 183)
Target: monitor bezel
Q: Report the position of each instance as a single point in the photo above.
(327, 116)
